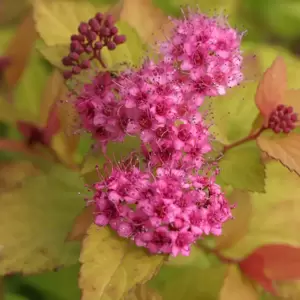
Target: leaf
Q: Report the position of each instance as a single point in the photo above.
(130, 52)
(150, 22)
(143, 292)
(115, 151)
(271, 88)
(14, 173)
(267, 54)
(242, 168)
(48, 282)
(19, 50)
(232, 115)
(189, 282)
(237, 287)
(12, 12)
(81, 224)
(253, 268)
(275, 218)
(51, 93)
(235, 229)
(280, 262)
(29, 90)
(112, 266)
(64, 16)
(53, 54)
(286, 149)
(36, 220)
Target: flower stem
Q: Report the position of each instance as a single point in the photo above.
(244, 140)
(221, 257)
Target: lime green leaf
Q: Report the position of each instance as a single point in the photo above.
(36, 219)
(28, 92)
(237, 287)
(173, 6)
(190, 282)
(130, 52)
(111, 266)
(233, 113)
(275, 217)
(53, 54)
(286, 149)
(242, 168)
(267, 54)
(115, 151)
(235, 229)
(64, 16)
(12, 296)
(150, 22)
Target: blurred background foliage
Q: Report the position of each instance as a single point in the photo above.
(269, 24)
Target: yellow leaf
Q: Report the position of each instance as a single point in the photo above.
(271, 88)
(286, 149)
(234, 230)
(236, 287)
(81, 224)
(65, 16)
(143, 292)
(149, 21)
(37, 217)
(111, 266)
(19, 50)
(275, 218)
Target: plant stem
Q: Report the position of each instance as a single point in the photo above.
(221, 257)
(244, 140)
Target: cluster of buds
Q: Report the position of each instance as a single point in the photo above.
(85, 46)
(283, 119)
(169, 201)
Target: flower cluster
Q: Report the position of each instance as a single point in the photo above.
(93, 36)
(165, 213)
(282, 119)
(168, 202)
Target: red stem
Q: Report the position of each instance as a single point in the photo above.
(246, 139)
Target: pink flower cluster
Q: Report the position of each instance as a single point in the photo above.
(165, 213)
(166, 203)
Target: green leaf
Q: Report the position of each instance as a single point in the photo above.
(115, 151)
(53, 54)
(266, 54)
(65, 16)
(275, 217)
(29, 91)
(47, 283)
(112, 266)
(232, 115)
(242, 168)
(37, 217)
(189, 282)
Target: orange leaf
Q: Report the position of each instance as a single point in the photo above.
(52, 91)
(292, 98)
(53, 123)
(285, 149)
(271, 88)
(82, 222)
(281, 262)
(19, 50)
(253, 268)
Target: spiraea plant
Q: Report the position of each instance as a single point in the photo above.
(191, 187)
(164, 197)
